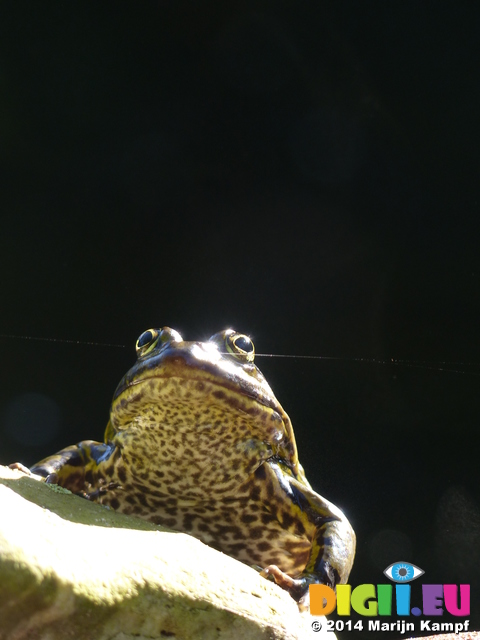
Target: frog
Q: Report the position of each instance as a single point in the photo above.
(198, 442)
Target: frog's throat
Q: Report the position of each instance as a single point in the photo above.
(168, 406)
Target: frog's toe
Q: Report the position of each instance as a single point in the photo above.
(18, 466)
(100, 491)
(295, 586)
(52, 478)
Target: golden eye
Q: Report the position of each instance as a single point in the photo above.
(146, 342)
(241, 346)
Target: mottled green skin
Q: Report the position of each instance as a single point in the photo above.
(198, 442)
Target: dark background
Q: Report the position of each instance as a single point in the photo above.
(304, 172)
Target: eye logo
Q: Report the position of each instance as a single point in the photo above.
(403, 572)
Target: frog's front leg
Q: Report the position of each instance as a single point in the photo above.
(74, 467)
(332, 537)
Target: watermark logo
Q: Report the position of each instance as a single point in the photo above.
(403, 572)
(371, 601)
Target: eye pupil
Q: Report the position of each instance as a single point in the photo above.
(244, 343)
(145, 338)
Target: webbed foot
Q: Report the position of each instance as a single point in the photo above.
(51, 478)
(18, 466)
(97, 493)
(296, 587)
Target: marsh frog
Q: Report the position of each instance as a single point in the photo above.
(198, 442)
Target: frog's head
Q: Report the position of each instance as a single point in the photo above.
(192, 388)
(226, 359)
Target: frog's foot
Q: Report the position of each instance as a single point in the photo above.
(18, 466)
(296, 587)
(94, 495)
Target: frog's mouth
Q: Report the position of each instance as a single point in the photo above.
(176, 384)
(194, 390)
(243, 386)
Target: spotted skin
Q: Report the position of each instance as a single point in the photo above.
(198, 442)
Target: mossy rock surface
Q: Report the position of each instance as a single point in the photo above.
(73, 569)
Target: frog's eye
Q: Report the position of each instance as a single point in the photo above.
(146, 342)
(241, 346)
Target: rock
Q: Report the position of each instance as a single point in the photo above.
(70, 568)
